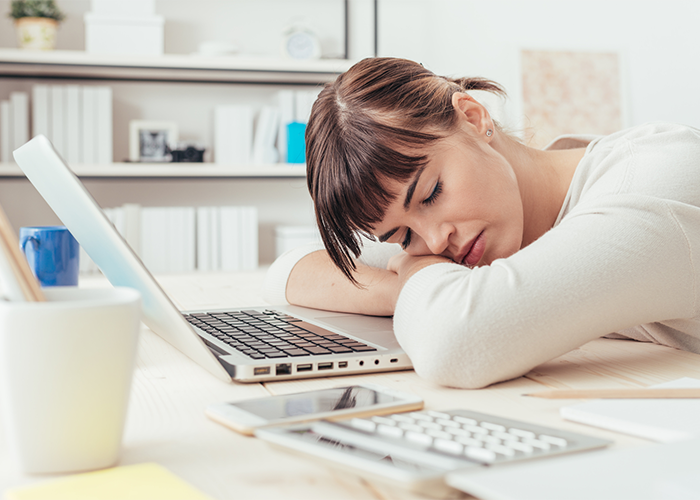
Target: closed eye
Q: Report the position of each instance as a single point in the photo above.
(433, 196)
(406, 239)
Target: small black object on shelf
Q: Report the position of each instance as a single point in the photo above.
(189, 154)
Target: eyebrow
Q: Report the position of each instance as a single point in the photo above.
(412, 188)
(406, 203)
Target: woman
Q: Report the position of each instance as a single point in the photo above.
(507, 256)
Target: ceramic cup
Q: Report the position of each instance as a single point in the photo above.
(65, 374)
(53, 254)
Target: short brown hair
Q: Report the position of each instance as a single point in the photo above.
(373, 124)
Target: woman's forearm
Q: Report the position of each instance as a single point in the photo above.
(316, 282)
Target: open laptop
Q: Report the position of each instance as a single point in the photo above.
(257, 344)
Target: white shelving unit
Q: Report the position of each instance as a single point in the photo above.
(279, 191)
(173, 170)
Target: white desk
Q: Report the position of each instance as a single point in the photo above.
(166, 423)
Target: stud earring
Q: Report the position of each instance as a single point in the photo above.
(489, 133)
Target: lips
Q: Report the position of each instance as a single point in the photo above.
(475, 251)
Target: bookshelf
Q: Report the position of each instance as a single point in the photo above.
(143, 88)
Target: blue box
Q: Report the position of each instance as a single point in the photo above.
(296, 145)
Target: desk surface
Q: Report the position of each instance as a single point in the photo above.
(166, 422)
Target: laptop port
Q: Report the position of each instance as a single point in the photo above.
(342, 364)
(394, 360)
(304, 368)
(283, 369)
(261, 370)
(325, 366)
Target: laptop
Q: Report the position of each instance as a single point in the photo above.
(253, 345)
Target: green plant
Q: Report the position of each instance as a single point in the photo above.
(36, 8)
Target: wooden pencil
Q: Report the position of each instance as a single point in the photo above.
(641, 393)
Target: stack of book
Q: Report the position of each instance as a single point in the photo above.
(76, 119)
(14, 124)
(185, 239)
(241, 139)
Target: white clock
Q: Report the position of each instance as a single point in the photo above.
(301, 44)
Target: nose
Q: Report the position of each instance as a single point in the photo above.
(437, 237)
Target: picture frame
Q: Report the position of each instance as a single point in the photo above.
(151, 141)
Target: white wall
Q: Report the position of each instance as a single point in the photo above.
(659, 41)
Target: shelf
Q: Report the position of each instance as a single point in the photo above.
(169, 67)
(173, 170)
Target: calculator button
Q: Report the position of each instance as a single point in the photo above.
(430, 425)
(500, 449)
(362, 424)
(448, 446)
(411, 427)
(492, 427)
(383, 421)
(521, 433)
(536, 443)
(419, 438)
(448, 423)
(468, 441)
(403, 418)
(521, 447)
(438, 434)
(556, 441)
(390, 431)
(458, 432)
(464, 420)
(475, 429)
(480, 454)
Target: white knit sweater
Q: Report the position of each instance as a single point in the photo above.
(619, 261)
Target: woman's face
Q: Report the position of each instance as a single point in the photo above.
(464, 205)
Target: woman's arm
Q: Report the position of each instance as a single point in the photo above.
(618, 263)
(306, 276)
(316, 282)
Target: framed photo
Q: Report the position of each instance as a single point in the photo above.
(151, 141)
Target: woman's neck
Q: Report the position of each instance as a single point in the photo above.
(544, 178)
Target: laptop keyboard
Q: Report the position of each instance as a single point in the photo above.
(272, 334)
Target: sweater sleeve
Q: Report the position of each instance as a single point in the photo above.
(609, 265)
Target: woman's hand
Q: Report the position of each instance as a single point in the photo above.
(405, 265)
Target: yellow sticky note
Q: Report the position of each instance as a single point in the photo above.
(131, 482)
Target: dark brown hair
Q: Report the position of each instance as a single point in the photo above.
(373, 124)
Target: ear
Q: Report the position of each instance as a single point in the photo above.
(474, 114)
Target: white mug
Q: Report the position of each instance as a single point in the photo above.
(66, 367)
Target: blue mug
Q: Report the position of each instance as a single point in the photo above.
(53, 254)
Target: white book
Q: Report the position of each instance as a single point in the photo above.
(215, 238)
(58, 117)
(189, 233)
(250, 238)
(132, 226)
(5, 132)
(41, 111)
(89, 124)
(20, 118)
(285, 102)
(152, 231)
(233, 134)
(264, 151)
(103, 127)
(663, 420)
(230, 239)
(73, 124)
(204, 230)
